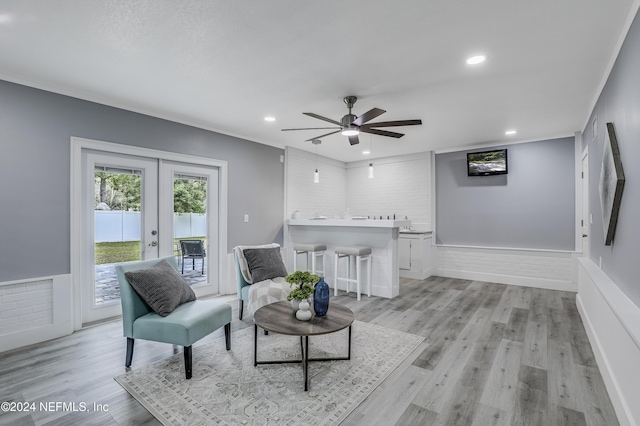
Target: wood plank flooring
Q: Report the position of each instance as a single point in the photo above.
(493, 354)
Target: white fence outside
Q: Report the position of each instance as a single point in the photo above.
(118, 225)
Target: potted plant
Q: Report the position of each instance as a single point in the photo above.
(302, 283)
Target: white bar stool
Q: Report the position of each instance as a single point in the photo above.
(313, 250)
(361, 253)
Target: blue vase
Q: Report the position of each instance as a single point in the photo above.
(321, 298)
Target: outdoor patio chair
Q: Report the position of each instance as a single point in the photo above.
(192, 249)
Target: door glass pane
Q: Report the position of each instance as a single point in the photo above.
(190, 226)
(118, 222)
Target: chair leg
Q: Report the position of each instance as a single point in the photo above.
(369, 267)
(335, 275)
(202, 265)
(227, 335)
(183, 265)
(127, 362)
(241, 303)
(187, 361)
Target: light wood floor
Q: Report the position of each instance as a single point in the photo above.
(493, 355)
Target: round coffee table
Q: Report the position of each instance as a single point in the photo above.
(279, 318)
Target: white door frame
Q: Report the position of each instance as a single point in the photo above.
(584, 208)
(167, 171)
(149, 221)
(77, 233)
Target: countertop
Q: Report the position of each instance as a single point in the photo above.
(411, 231)
(355, 223)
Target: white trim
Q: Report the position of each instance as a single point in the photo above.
(584, 200)
(102, 100)
(500, 143)
(62, 316)
(77, 145)
(506, 248)
(502, 266)
(612, 323)
(633, 10)
(577, 165)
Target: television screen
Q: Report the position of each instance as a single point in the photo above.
(487, 163)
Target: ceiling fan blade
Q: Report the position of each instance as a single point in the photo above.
(353, 140)
(319, 117)
(311, 128)
(395, 123)
(369, 115)
(322, 136)
(381, 132)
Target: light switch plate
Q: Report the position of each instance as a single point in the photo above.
(246, 218)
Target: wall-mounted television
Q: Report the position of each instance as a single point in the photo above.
(487, 163)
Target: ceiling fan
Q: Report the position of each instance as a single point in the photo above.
(351, 125)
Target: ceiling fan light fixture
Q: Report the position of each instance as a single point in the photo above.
(475, 60)
(350, 131)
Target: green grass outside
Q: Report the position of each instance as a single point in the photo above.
(124, 251)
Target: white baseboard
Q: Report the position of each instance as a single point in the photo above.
(548, 269)
(61, 320)
(548, 284)
(612, 323)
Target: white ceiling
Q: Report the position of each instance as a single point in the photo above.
(224, 65)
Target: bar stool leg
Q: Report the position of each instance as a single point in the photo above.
(295, 257)
(313, 262)
(335, 275)
(358, 275)
(348, 271)
(369, 267)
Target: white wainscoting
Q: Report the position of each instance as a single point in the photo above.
(612, 322)
(548, 269)
(34, 310)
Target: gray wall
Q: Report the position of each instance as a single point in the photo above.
(619, 103)
(531, 207)
(35, 131)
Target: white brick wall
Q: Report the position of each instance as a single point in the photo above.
(326, 198)
(401, 186)
(26, 305)
(539, 268)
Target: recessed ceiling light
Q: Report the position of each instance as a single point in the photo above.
(269, 118)
(474, 60)
(510, 132)
(366, 152)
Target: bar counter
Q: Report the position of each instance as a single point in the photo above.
(380, 235)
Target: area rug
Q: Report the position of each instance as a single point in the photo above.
(226, 388)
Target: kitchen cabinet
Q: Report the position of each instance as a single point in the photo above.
(414, 254)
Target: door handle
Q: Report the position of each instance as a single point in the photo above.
(584, 235)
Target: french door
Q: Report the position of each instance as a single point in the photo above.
(139, 208)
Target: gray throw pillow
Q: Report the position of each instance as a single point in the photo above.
(161, 287)
(265, 263)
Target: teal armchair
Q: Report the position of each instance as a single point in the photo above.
(187, 324)
(243, 285)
